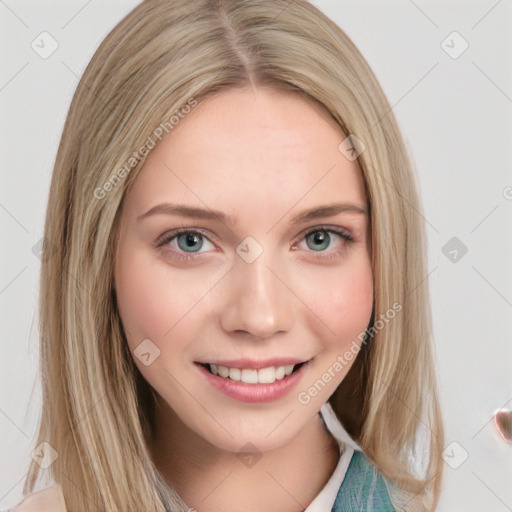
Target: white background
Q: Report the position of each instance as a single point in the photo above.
(456, 117)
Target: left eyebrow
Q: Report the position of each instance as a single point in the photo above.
(328, 211)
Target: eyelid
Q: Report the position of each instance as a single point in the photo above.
(173, 233)
(344, 233)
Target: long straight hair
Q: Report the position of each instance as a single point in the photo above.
(97, 410)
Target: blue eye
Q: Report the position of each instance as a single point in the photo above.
(190, 241)
(187, 244)
(320, 238)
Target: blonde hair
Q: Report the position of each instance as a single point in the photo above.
(97, 409)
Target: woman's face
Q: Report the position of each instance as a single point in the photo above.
(244, 252)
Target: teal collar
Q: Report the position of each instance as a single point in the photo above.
(363, 489)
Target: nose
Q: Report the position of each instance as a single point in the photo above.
(257, 301)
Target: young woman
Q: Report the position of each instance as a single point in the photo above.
(234, 317)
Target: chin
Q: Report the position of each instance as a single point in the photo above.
(258, 432)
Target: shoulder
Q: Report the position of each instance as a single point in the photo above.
(363, 488)
(46, 500)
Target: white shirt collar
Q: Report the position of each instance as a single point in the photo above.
(324, 501)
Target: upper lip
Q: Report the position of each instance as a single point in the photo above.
(255, 364)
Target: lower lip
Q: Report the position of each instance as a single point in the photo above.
(254, 392)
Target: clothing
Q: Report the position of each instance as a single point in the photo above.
(363, 489)
(327, 496)
(355, 485)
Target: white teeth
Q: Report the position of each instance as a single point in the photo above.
(249, 376)
(288, 369)
(223, 371)
(234, 374)
(267, 375)
(252, 376)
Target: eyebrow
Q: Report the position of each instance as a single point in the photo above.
(327, 210)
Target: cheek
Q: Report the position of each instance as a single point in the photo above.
(343, 301)
(345, 308)
(353, 301)
(148, 304)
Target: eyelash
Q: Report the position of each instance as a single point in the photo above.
(168, 237)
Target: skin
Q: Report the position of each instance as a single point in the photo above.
(262, 156)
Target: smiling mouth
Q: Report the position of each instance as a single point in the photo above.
(252, 376)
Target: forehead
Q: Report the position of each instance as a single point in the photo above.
(242, 149)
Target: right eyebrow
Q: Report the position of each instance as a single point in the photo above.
(188, 211)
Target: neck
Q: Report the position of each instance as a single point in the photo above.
(210, 479)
